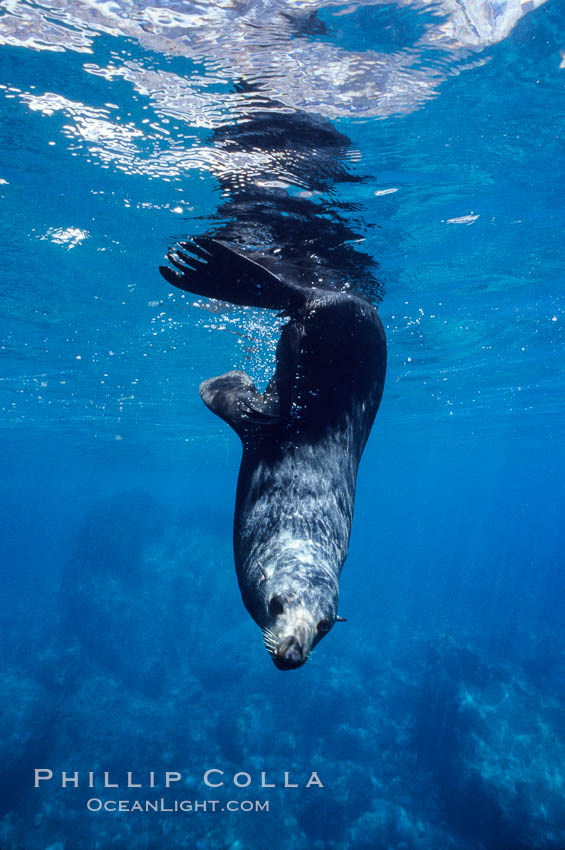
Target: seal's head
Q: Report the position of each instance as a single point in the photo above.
(297, 616)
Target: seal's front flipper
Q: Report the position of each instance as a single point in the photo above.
(234, 398)
(208, 267)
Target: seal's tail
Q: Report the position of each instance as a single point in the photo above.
(208, 267)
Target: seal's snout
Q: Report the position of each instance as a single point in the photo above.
(289, 655)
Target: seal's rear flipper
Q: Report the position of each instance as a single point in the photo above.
(234, 398)
(216, 271)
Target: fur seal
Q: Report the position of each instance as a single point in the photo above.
(302, 440)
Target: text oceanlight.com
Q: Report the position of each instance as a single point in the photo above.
(186, 806)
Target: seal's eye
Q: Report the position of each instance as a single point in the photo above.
(323, 626)
(276, 606)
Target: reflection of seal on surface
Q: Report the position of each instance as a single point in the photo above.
(302, 441)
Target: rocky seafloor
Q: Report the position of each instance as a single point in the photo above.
(146, 661)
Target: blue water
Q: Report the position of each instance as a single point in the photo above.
(434, 717)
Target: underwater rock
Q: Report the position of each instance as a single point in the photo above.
(26, 720)
(495, 747)
(131, 588)
(393, 827)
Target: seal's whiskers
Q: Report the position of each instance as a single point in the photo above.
(269, 640)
